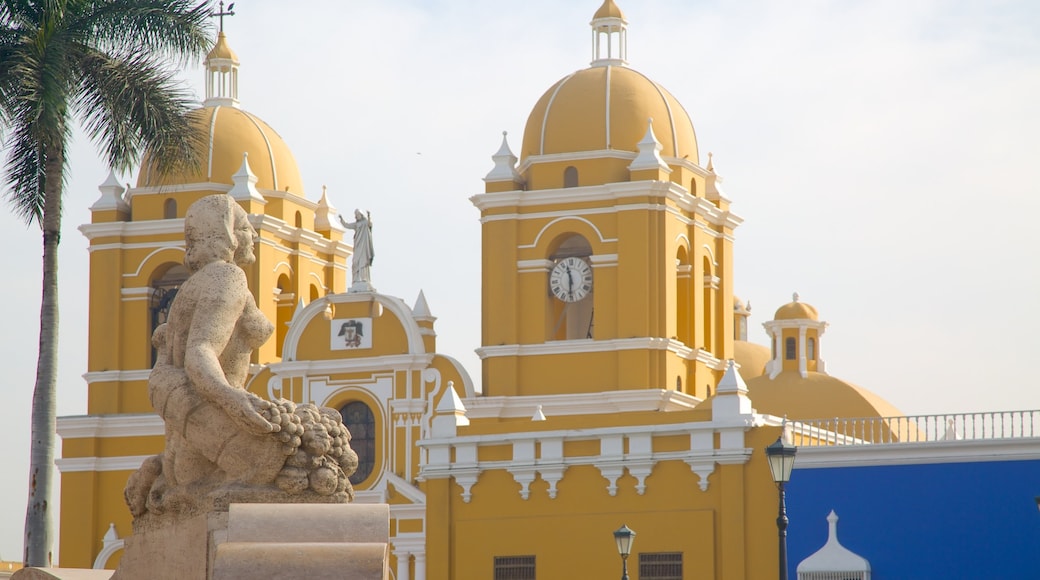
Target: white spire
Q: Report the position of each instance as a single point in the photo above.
(245, 183)
(111, 195)
(649, 152)
(325, 213)
(833, 557)
(609, 36)
(505, 164)
(421, 310)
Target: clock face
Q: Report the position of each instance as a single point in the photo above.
(571, 279)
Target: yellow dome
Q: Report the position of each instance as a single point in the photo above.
(796, 310)
(818, 396)
(751, 357)
(607, 107)
(230, 132)
(608, 10)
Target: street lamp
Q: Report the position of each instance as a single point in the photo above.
(624, 537)
(781, 461)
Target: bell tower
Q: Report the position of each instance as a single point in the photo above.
(607, 249)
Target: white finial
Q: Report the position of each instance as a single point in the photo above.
(245, 183)
(649, 156)
(505, 164)
(325, 213)
(111, 195)
(794, 297)
(538, 414)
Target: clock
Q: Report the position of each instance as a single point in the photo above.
(571, 279)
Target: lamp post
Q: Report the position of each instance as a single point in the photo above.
(781, 461)
(624, 537)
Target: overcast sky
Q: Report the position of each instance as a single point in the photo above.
(882, 153)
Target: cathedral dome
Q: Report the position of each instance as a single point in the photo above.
(607, 107)
(816, 396)
(230, 132)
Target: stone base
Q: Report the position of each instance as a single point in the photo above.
(262, 541)
(61, 574)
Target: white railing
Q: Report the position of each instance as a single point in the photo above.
(916, 428)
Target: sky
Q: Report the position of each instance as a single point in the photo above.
(882, 154)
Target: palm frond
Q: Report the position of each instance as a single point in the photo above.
(178, 30)
(130, 105)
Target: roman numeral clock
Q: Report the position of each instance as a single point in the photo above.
(571, 279)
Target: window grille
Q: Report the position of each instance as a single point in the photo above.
(361, 422)
(660, 566)
(514, 568)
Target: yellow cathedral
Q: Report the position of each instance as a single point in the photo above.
(618, 381)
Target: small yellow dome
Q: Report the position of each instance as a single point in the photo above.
(607, 107)
(230, 132)
(222, 50)
(608, 10)
(795, 310)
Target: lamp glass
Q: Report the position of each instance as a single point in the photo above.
(624, 537)
(781, 460)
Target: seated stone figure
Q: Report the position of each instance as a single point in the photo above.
(220, 437)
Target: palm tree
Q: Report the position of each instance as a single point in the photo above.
(107, 64)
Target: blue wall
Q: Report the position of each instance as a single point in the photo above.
(952, 520)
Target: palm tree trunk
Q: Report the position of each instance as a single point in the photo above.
(38, 522)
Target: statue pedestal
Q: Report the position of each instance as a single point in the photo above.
(263, 541)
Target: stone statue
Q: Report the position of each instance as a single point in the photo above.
(361, 264)
(220, 437)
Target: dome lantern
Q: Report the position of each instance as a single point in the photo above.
(609, 36)
(221, 74)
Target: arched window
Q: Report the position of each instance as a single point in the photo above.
(570, 177)
(678, 384)
(789, 348)
(359, 420)
(286, 306)
(683, 314)
(810, 349)
(164, 290)
(299, 220)
(169, 209)
(693, 187)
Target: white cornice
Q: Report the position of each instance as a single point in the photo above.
(575, 156)
(609, 193)
(588, 345)
(513, 407)
(75, 464)
(116, 376)
(969, 451)
(135, 228)
(123, 425)
(201, 187)
(411, 362)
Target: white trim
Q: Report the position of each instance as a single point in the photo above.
(177, 245)
(139, 228)
(533, 266)
(588, 345)
(174, 244)
(81, 464)
(610, 192)
(548, 107)
(110, 426)
(313, 368)
(513, 407)
(567, 217)
(116, 376)
(110, 549)
(135, 294)
(618, 154)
